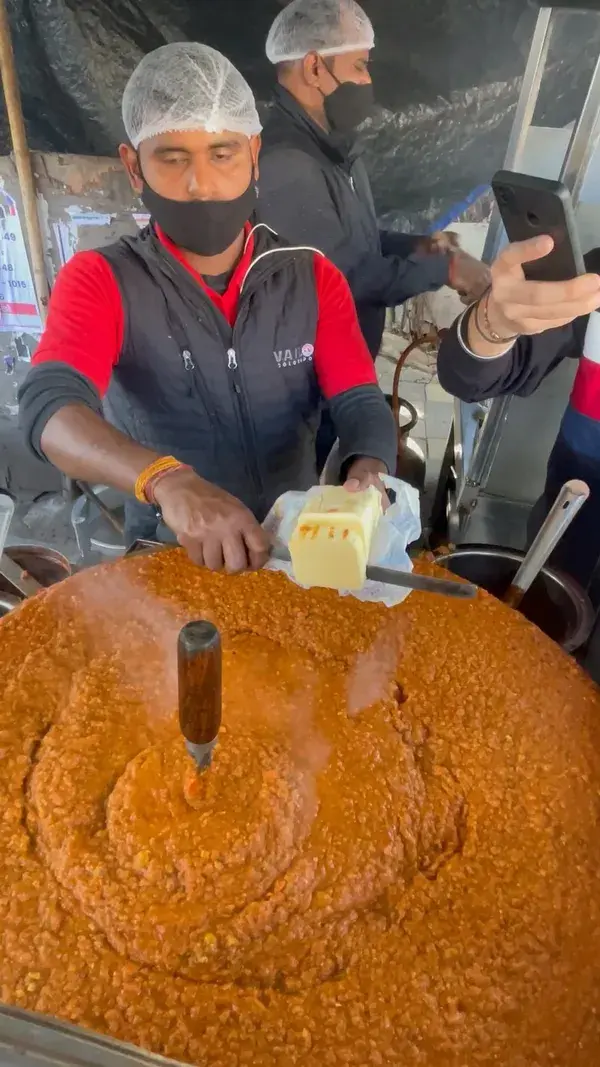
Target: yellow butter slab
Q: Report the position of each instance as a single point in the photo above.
(331, 542)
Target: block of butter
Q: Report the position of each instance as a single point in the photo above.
(331, 542)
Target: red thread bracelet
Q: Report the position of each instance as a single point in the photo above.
(150, 487)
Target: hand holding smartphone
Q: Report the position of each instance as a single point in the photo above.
(538, 281)
(538, 207)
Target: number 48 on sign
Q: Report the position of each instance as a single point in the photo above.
(18, 304)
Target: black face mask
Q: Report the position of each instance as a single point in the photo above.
(348, 106)
(205, 227)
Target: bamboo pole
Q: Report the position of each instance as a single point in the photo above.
(14, 110)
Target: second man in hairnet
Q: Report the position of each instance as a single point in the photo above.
(314, 187)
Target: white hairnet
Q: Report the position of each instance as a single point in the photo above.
(328, 27)
(187, 86)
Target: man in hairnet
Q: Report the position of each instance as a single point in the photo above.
(314, 187)
(186, 366)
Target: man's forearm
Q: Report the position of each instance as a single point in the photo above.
(87, 448)
(365, 426)
(394, 243)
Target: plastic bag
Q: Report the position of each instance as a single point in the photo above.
(399, 527)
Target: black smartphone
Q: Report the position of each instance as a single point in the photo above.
(531, 207)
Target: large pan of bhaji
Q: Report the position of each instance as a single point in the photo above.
(394, 858)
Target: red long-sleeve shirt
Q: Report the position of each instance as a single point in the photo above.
(86, 320)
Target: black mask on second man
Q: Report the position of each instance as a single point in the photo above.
(349, 105)
(205, 227)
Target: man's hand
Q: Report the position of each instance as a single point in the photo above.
(364, 472)
(468, 276)
(439, 243)
(517, 306)
(216, 530)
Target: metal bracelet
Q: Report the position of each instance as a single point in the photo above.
(463, 337)
(491, 337)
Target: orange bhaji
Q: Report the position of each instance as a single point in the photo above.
(394, 858)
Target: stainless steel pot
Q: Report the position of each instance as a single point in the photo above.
(8, 601)
(555, 603)
(44, 564)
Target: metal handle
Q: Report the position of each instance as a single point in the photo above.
(7, 510)
(200, 688)
(568, 503)
(402, 579)
(423, 583)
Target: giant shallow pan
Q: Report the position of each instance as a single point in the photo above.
(28, 1040)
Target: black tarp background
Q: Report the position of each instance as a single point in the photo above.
(446, 73)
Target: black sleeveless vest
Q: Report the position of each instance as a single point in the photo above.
(240, 405)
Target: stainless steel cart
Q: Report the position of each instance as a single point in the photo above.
(500, 450)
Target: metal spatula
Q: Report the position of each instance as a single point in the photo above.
(442, 586)
(403, 579)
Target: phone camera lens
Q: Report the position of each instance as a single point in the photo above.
(532, 219)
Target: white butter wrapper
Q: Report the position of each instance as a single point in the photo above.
(398, 527)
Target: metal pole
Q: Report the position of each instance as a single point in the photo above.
(528, 98)
(484, 453)
(584, 140)
(12, 97)
(460, 460)
(476, 473)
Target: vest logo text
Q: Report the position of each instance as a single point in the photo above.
(292, 357)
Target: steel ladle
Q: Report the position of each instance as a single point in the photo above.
(567, 505)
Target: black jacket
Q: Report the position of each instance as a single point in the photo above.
(218, 397)
(316, 192)
(575, 453)
(518, 373)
